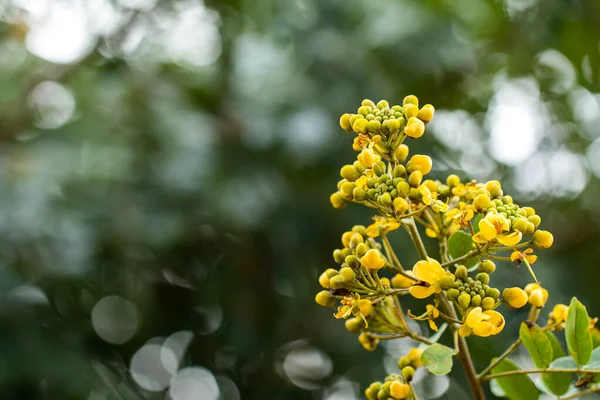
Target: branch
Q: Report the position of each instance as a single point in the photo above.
(581, 394)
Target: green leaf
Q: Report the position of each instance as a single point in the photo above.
(436, 336)
(516, 387)
(461, 243)
(567, 362)
(577, 332)
(594, 363)
(475, 223)
(537, 344)
(437, 359)
(557, 350)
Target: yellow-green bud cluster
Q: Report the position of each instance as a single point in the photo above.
(394, 387)
(468, 292)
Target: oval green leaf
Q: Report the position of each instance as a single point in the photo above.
(537, 344)
(437, 359)
(567, 362)
(577, 332)
(557, 383)
(557, 350)
(516, 387)
(459, 244)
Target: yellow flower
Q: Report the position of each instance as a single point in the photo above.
(367, 341)
(542, 239)
(426, 113)
(537, 295)
(399, 390)
(482, 323)
(373, 259)
(520, 256)
(558, 316)
(430, 199)
(429, 315)
(354, 305)
(515, 297)
(429, 273)
(493, 227)
(368, 157)
(382, 226)
(360, 142)
(415, 128)
(461, 215)
(402, 281)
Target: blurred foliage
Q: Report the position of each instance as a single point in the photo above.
(180, 155)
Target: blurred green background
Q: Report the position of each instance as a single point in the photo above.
(165, 171)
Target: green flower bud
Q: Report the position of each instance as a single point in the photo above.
(403, 189)
(374, 126)
(338, 256)
(354, 325)
(359, 194)
(379, 168)
(452, 294)
(401, 153)
(414, 194)
(347, 274)
(488, 303)
(360, 125)
(361, 249)
(338, 200)
(476, 300)
(461, 272)
(493, 293)
(360, 168)
(355, 240)
(464, 300)
(535, 219)
(393, 126)
(337, 282)
(407, 373)
(520, 224)
(372, 390)
(383, 104)
(349, 172)
(386, 199)
(415, 178)
(482, 202)
(399, 171)
(325, 299)
(403, 362)
(483, 278)
(352, 261)
(486, 266)
(447, 282)
(507, 199)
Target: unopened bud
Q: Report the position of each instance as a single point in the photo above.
(461, 272)
(345, 122)
(338, 200)
(514, 297)
(401, 153)
(325, 299)
(486, 266)
(542, 239)
(415, 128)
(426, 113)
(421, 163)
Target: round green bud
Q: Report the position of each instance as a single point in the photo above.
(488, 303)
(401, 153)
(535, 219)
(403, 189)
(414, 193)
(452, 294)
(383, 394)
(493, 293)
(486, 266)
(372, 390)
(464, 300)
(399, 171)
(361, 249)
(507, 199)
(482, 202)
(393, 126)
(483, 278)
(325, 299)
(476, 300)
(403, 362)
(337, 282)
(360, 229)
(384, 178)
(347, 274)
(352, 261)
(349, 172)
(386, 199)
(415, 178)
(360, 167)
(383, 104)
(520, 224)
(359, 194)
(338, 200)
(379, 168)
(374, 126)
(530, 228)
(407, 373)
(368, 103)
(461, 272)
(338, 256)
(364, 110)
(446, 282)
(355, 240)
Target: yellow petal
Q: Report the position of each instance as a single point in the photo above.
(496, 320)
(483, 329)
(431, 233)
(421, 292)
(432, 325)
(464, 331)
(516, 255)
(487, 229)
(511, 239)
(429, 271)
(475, 317)
(373, 230)
(479, 238)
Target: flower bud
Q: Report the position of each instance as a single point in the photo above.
(514, 297)
(354, 325)
(414, 357)
(373, 259)
(542, 239)
(385, 199)
(421, 163)
(374, 126)
(411, 111)
(493, 293)
(452, 294)
(368, 157)
(446, 282)
(349, 172)
(538, 297)
(325, 299)
(364, 110)
(338, 256)
(520, 224)
(372, 390)
(352, 261)
(346, 237)
(338, 200)
(415, 128)
(368, 342)
(400, 205)
(486, 266)
(476, 300)
(452, 181)
(403, 362)
(360, 125)
(383, 104)
(407, 373)
(426, 113)
(347, 274)
(345, 122)
(401, 153)
(461, 272)
(483, 278)
(359, 194)
(464, 300)
(379, 168)
(393, 126)
(410, 99)
(535, 219)
(361, 249)
(482, 202)
(399, 171)
(488, 303)
(325, 276)
(337, 282)
(415, 179)
(494, 188)
(399, 390)
(346, 189)
(403, 189)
